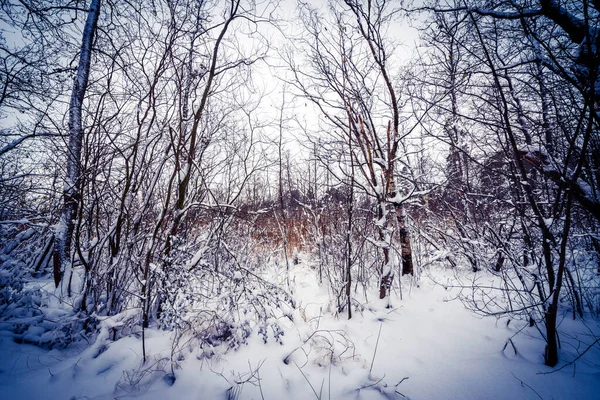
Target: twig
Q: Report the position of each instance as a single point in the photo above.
(262, 396)
(398, 384)
(309, 384)
(376, 345)
(402, 380)
(371, 385)
(330, 363)
(524, 384)
(513, 346)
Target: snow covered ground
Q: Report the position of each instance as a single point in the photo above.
(424, 347)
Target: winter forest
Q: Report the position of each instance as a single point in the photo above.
(301, 199)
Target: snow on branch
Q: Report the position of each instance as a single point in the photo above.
(571, 24)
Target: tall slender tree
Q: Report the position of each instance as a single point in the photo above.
(72, 186)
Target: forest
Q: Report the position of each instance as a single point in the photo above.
(300, 199)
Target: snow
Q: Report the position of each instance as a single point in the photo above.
(424, 347)
(399, 198)
(387, 269)
(586, 189)
(197, 257)
(382, 244)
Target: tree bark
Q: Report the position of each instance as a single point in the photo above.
(406, 249)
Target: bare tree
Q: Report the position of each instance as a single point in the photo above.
(351, 71)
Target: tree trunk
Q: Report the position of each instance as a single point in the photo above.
(284, 232)
(387, 269)
(551, 354)
(406, 249)
(72, 190)
(350, 201)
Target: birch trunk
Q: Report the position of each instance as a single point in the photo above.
(71, 189)
(405, 247)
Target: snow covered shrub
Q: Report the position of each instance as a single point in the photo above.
(245, 306)
(140, 378)
(218, 291)
(27, 308)
(324, 347)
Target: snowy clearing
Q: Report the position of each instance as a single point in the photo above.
(429, 348)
